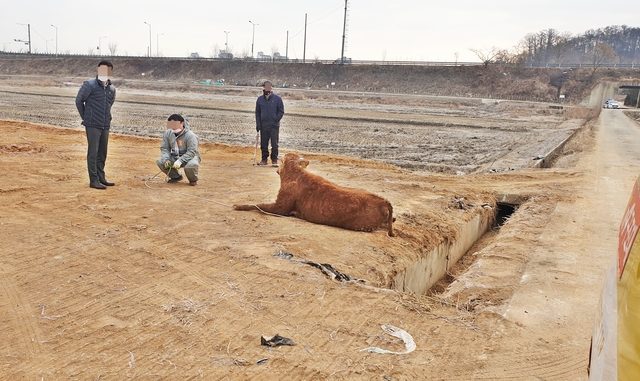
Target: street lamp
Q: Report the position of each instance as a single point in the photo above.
(252, 36)
(226, 43)
(56, 38)
(149, 38)
(100, 44)
(158, 44)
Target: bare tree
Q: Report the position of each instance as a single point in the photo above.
(562, 47)
(246, 53)
(602, 54)
(456, 55)
(527, 48)
(90, 51)
(504, 56)
(215, 51)
(113, 46)
(486, 56)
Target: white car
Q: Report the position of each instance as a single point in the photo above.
(611, 104)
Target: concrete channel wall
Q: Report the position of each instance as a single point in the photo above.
(421, 275)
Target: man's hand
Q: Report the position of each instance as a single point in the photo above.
(177, 164)
(167, 164)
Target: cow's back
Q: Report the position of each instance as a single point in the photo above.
(323, 202)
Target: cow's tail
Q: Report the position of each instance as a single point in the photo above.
(391, 219)
(245, 207)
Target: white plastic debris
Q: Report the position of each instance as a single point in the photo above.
(400, 334)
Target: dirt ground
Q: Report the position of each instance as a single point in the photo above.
(440, 134)
(149, 280)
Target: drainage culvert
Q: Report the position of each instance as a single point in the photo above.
(420, 276)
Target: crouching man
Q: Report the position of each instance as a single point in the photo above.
(179, 149)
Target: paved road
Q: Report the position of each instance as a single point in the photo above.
(556, 300)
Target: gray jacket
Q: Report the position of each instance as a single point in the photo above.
(94, 101)
(183, 146)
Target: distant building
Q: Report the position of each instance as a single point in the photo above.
(194, 55)
(263, 57)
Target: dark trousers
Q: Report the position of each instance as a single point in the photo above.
(265, 136)
(98, 140)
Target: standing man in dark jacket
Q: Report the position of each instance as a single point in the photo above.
(269, 111)
(94, 101)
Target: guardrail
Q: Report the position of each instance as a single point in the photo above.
(333, 62)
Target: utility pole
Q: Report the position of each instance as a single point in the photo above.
(286, 49)
(304, 49)
(344, 32)
(158, 43)
(56, 39)
(100, 45)
(226, 43)
(29, 35)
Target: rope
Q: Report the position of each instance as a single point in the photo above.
(180, 193)
(205, 199)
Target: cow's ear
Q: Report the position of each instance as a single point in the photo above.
(304, 163)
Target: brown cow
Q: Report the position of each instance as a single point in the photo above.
(317, 200)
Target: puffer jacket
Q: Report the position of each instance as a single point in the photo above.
(94, 101)
(183, 146)
(269, 112)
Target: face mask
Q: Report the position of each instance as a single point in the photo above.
(175, 126)
(104, 73)
(266, 92)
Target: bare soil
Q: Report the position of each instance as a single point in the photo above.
(149, 280)
(441, 134)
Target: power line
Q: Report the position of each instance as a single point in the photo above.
(316, 20)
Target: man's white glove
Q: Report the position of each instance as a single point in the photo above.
(177, 164)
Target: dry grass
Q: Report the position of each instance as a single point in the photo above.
(586, 113)
(634, 115)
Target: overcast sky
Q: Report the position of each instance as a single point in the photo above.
(376, 30)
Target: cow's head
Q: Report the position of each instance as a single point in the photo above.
(292, 163)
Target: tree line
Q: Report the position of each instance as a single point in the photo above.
(609, 45)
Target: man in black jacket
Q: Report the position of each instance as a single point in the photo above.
(269, 111)
(94, 101)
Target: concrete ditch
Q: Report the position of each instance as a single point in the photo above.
(419, 277)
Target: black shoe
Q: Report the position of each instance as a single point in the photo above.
(172, 180)
(97, 185)
(107, 183)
